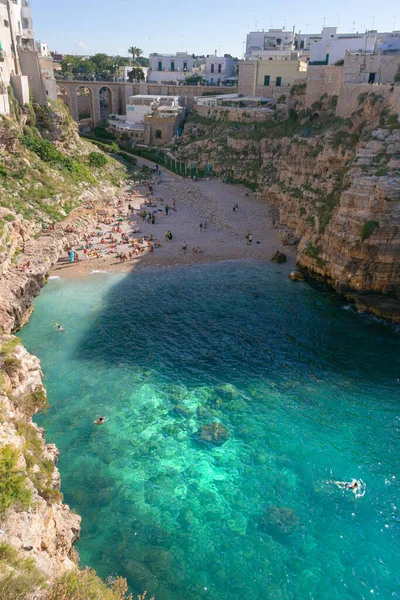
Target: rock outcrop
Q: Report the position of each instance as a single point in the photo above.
(45, 530)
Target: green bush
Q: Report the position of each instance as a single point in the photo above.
(382, 171)
(13, 490)
(11, 364)
(86, 585)
(393, 122)
(34, 402)
(101, 132)
(98, 160)
(3, 171)
(10, 344)
(43, 148)
(19, 577)
(368, 228)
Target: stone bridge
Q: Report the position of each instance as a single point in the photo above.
(119, 94)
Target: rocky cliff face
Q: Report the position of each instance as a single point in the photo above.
(336, 185)
(40, 527)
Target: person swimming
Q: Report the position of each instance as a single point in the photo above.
(100, 421)
(348, 485)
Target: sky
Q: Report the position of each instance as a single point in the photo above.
(91, 26)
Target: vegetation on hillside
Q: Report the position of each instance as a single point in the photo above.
(46, 167)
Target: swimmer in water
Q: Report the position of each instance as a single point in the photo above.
(100, 421)
(59, 328)
(348, 485)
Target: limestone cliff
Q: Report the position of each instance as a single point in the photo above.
(336, 184)
(32, 517)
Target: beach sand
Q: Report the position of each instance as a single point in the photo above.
(197, 202)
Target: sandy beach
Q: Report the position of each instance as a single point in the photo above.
(210, 203)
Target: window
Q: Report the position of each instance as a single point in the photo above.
(266, 79)
(172, 65)
(219, 68)
(185, 66)
(278, 81)
(158, 134)
(160, 65)
(6, 23)
(212, 68)
(371, 78)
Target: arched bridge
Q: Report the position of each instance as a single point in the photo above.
(105, 97)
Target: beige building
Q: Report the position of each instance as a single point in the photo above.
(270, 73)
(370, 68)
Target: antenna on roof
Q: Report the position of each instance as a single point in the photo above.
(354, 27)
(323, 21)
(373, 22)
(394, 22)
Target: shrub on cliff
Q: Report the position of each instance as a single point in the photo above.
(13, 490)
(19, 577)
(86, 585)
(98, 160)
(11, 364)
(368, 228)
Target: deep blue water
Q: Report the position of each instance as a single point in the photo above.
(308, 390)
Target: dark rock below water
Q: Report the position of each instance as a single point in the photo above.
(214, 433)
(182, 410)
(278, 257)
(280, 519)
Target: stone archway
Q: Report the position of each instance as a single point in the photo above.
(84, 101)
(106, 103)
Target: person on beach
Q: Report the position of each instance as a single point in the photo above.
(205, 227)
(201, 227)
(99, 421)
(71, 255)
(174, 204)
(166, 209)
(153, 219)
(184, 247)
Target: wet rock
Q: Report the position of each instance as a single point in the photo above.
(278, 257)
(227, 391)
(182, 410)
(296, 276)
(214, 433)
(279, 519)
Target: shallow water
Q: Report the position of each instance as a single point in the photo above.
(312, 395)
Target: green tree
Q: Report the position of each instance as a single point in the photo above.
(194, 79)
(139, 53)
(136, 73)
(132, 50)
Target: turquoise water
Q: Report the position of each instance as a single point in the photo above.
(308, 390)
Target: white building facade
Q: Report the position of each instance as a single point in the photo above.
(273, 39)
(20, 57)
(169, 67)
(219, 69)
(330, 46)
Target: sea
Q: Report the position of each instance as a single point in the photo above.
(233, 399)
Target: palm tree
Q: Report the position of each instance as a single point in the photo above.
(139, 53)
(132, 50)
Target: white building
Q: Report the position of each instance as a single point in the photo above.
(219, 69)
(169, 67)
(330, 46)
(273, 39)
(21, 59)
(123, 73)
(141, 105)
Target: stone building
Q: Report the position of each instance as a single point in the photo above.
(269, 73)
(154, 120)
